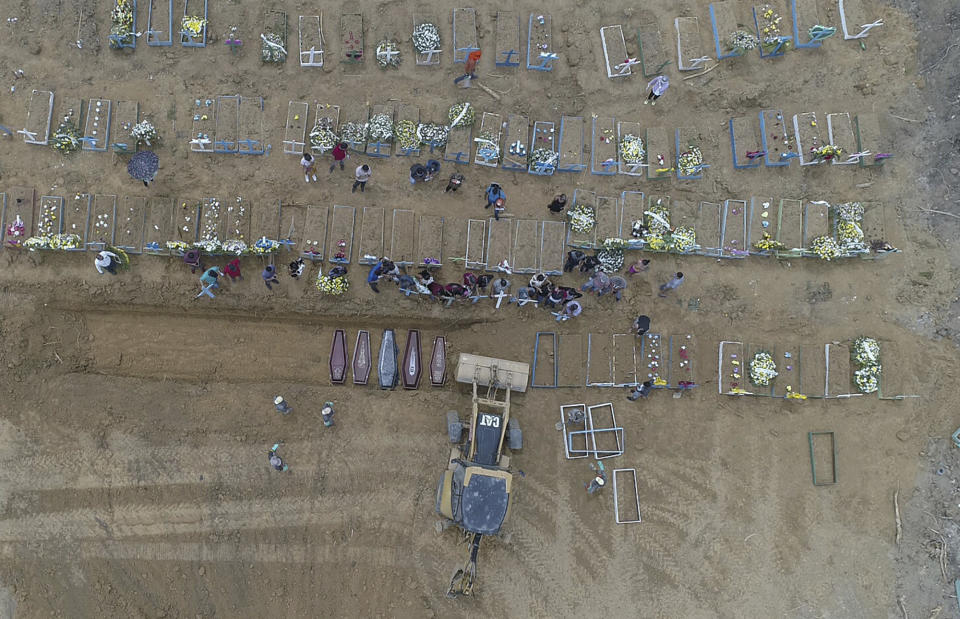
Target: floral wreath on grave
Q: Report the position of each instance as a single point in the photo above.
(658, 216)
(235, 246)
(770, 29)
(122, 23)
(322, 136)
(489, 142)
(388, 53)
(381, 128)
(763, 369)
(827, 151)
(211, 246)
(611, 255)
(850, 227)
(741, 41)
(177, 246)
(193, 25)
(433, 135)
(683, 239)
(631, 149)
(66, 139)
(768, 243)
(461, 115)
(583, 218)
(426, 37)
(272, 48)
(144, 132)
(690, 161)
(353, 132)
(265, 246)
(826, 248)
(866, 354)
(333, 286)
(543, 157)
(405, 132)
(55, 242)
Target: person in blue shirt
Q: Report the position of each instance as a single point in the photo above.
(374, 275)
(495, 195)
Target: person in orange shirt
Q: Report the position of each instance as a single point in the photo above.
(471, 70)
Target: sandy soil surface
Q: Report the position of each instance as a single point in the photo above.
(135, 420)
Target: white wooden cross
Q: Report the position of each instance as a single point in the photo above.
(387, 54)
(500, 296)
(429, 56)
(624, 67)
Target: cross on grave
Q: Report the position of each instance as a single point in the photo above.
(387, 54)
(624, 67)
(500, 296)
(545, 59)
(88, 140)
(856, 157)
(509, 55)
(477, 297)
(429, 55)
(30, 135)
(311, 55)
(206, 291)
(561, 317)
(521, 302)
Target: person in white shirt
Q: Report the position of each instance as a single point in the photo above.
(309, 165)
(362, 175)
(106, 260)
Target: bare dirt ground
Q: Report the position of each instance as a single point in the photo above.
(135, 420)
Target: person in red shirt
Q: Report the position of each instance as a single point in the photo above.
(339, 153)
(471, 70)
(233, 269)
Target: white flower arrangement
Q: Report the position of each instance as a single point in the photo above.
(849, 227)
(690, 161)
(144, 132)
(611, 260)
(826, 248)
(461, 115)
(405, 131)
(272, 48)
(867, 378)
(763, 369)
(211, 246)
(388, 53)
(322, 136)
(631, 149)
(683, 239)
(866, 351)
(614, 243)
(433, 135)
(381, 128)
(582, 218)
(235, 246)
(353, 132)
(426, 37)
(741, 41)
(543, 157)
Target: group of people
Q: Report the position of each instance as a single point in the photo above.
(339, 152)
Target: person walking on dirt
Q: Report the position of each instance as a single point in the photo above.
(674, 282)
(282, 407)
(470, 72)
(494, 195)
(232, 270)
(106, 260)
(657, 86)
(269, 276)
(640, 391)
(456, 179)
(361, 175)
(339, 153)
(309, 165)
(275, 461)
(558, 204)
(210, 277)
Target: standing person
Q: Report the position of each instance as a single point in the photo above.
(339, 153)
(555, 298)
(418, 173)
(106, 260)
(482, 282)
(500, 285)
(639, 266)
(407, 284)
(571, 310)
(275, 461)
(282, 407)
(558, 204)
(233, 269)
(269, 276)
(192, 259)
(456, 179)
(574, 258)
(674, 282)
(374, 276)
(589, 264)
(495, 194)
(498, 208)
(640, 391)
(598, 283)
(470, 72)
(361, 175)
(641, 324)
(309, 166)
(296, 268)
(327, 413)
(389, 269)
(617, 286)
(657, 86)
(210, 276)
(426, 278)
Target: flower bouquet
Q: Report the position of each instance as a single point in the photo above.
(740, 42)
(380, 128)
(690, 162)
(768, 22)
(426, 38)
(658, 226)
(866, 354)
(631, 149)
(763, 369)
(388, 53)
(433, 135)
(178, 246)
(144, 132)
(121, 27)
(827, 152)
(66, 139)
(867, 378)
(683, 239)
(461, 115)
(353, 132)
(405, 132)
(264, 246)
(334, 286)
(272, 48)
(849, 227)
(582, 218)
(210, 246)
(611, 256)
(489, 144)
(768, 243)
(235, 247)
(614, 243)
(65, 241)
(826, 248)
(543, 157)
(193, 25)
(322, 136)
(37, 242)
